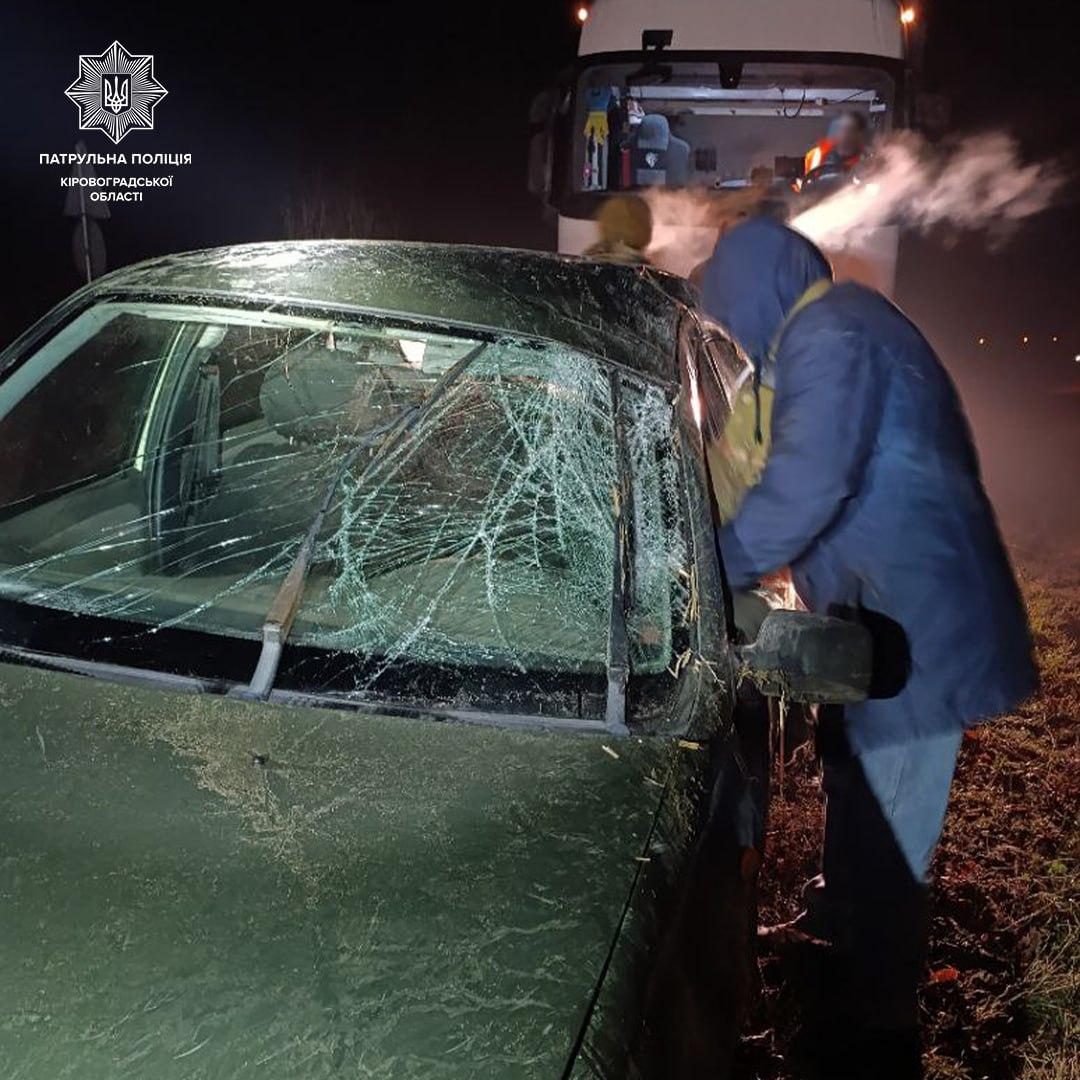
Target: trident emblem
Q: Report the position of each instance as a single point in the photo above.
(116, 92)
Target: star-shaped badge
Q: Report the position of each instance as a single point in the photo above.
(116, 92)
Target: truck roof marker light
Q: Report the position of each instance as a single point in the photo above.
(582, 14)
(907, 15)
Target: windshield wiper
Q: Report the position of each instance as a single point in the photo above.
(282, 613)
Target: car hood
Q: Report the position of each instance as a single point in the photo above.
(378, 897)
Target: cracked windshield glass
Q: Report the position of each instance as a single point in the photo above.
(458, 498)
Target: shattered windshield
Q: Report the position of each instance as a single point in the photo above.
(461, 497)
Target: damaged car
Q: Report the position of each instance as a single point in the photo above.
(370, 684)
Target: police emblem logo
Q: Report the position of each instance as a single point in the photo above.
(116, 92)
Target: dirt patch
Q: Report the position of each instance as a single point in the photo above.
(1001, 998)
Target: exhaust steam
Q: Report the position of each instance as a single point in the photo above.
(978, 183)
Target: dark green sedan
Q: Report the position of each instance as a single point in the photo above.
(367, 681)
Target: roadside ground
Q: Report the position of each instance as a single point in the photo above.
(1001, 998)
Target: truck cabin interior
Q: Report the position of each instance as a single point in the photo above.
(716, 124)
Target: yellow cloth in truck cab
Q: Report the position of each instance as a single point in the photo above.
(596, 125)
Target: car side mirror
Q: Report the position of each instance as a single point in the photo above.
(810, 658)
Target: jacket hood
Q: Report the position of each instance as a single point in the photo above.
(756, 275)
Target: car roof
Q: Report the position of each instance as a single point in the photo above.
(627, 315)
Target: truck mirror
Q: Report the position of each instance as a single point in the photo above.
(543, 105)
(539, 178)
(932, 113)
(810, 658)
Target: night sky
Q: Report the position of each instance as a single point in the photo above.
(415, 115)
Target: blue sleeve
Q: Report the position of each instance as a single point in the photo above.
(824, 423)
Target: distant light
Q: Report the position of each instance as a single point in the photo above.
(1024, 340)
(907, 15)
(582, 13)
(1077, 358)
(982, 341)
(1053, 338)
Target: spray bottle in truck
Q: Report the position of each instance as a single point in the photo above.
(707, 108)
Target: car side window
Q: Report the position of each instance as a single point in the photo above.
(720, 385)
(68, 419)
(724, 372)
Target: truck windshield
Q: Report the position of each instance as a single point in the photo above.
(716, 124)
(167, 461)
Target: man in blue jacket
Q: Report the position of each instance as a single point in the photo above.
(871, 495)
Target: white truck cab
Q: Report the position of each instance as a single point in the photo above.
(706, 107)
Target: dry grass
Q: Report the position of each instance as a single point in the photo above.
(1005, 941)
